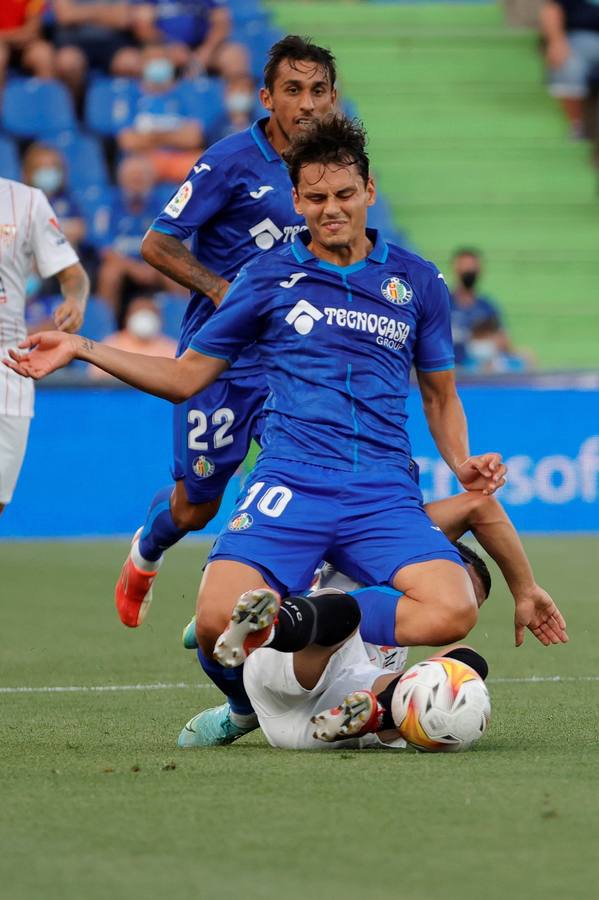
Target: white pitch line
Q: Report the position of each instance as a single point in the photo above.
(101, 688)
(184, 685)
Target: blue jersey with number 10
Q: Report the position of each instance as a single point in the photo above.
(235, 204)
(337, 344)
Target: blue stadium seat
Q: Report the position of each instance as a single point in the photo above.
(35, 107)
(84, 156)
(95, 202)
(99, 320)
(9, 159)
(172, 308)
(110, 104)
(205, 96)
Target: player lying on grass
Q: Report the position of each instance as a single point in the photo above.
(309, 677)
(338, 318)
(380, 608)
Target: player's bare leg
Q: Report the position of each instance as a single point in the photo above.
(223, 583)
(438, 605)
(312, 631)
(133, 591)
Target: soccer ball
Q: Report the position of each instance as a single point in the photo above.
(441, 705)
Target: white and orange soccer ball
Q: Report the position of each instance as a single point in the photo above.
(441, 705)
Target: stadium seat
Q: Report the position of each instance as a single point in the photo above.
(205, 95)
(9, 159)
(95, 202)
(35, 108)
(99, 320)
(84, 157)
(110, 104)
(172, 308)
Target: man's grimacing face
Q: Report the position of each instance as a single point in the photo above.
(334, 201)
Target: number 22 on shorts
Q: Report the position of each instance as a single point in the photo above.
(223, 417)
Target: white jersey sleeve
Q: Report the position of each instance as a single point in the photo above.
(29, 235)
(51, 250)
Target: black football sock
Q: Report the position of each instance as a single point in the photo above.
(325, 619)
(471, 658)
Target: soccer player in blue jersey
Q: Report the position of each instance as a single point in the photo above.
(235, 204)
(339, 317)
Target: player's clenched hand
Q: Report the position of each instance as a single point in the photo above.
(484, 473)
(536, 611)
(69, 316)
(43, 353)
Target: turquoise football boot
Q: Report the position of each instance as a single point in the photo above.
(189, 635)
(211, 728)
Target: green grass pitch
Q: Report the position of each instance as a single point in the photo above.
(97, 802)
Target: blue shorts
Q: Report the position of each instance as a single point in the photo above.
(290, 516)
(212, 432)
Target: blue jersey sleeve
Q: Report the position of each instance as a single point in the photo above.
(235, 325)
(434, 346)
(207, 190)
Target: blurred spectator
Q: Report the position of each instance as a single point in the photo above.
(469, 308)
(44, 168)
(98, 29)
(196, 32)
(571, 32)
(142, 333)
(21, 45)
(164, 124)
(132, 210)
(484, 351)
(240, 105)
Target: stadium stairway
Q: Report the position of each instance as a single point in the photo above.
(470, 149)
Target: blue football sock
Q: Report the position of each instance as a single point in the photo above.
(230, 682)
(160, 531)
(378, 607)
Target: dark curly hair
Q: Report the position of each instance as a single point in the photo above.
(297, 49)
(333, 139)
(469, 555)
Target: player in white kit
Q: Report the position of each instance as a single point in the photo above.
(29, 235)
(314, 685)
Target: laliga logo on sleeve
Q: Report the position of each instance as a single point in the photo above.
(396, 291)
(303, 316)
(175, 207)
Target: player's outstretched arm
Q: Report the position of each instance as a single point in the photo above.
(171, 257)
(448, 426)
(74, 286)
(486, 518)
(171, 379)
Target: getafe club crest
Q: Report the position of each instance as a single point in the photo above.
(240, 522)
(396, 291)
(203, 467)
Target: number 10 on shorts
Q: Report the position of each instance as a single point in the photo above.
(272, 502)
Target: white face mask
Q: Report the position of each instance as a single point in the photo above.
(144, 324)
(482, 350)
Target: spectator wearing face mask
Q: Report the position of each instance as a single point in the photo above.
(164, 126)
(141, 333)
(44, 168)
(485, 353)
(468, 306)
(238, 114)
